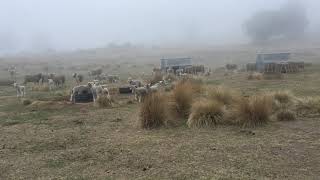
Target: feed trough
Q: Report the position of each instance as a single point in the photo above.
(83, 95)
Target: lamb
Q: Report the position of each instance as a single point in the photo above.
(98, 90)
(20, 90)
(33, 78)
(77, 77)
(139, 93)
(113, 78)
(50, 84)
(95, 73)
(59, 80)
(135, 83)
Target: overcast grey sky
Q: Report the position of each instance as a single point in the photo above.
(69, 24)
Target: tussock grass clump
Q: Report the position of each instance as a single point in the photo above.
(42, 88)
(254, 111)
(223, 95)
(309, 105)
(183, 97)
(255, 76)
(205, 113)
(153, 111)
(286, 115)
(283, 97)
(104, 101)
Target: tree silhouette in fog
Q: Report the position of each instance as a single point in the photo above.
(290, 21)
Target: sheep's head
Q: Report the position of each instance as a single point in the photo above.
(15, 85)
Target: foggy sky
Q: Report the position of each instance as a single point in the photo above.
(27, 25)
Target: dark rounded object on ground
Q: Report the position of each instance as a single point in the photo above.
(125, 90)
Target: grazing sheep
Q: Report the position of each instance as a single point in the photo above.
(135, 83)
(98, 90)
(33, 78)
(21, 90)
(113, 78)
(59, 80)
(139, 93)
(77, 77)
(13, 72)
(231, 67)
(95, 73)
(50, 84)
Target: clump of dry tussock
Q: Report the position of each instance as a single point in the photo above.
(43, 88)
(254, 111)
(283, 97)
(255, 76)
(153, 112)
(205, 113)
(309, 105)
(286, 115)
(104, 101)
(223, 95)
(183, 96)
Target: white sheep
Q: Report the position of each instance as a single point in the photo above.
(139, 93)
(98, 90)
(21, 90)
(50, 84)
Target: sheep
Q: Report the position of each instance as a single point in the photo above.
(139, 93)
(50, 84)
(32, 78)
(77, 77)
(135, 83)
(98, 90)
(113, 78)
(95, 73)
(13, 72)
(59, 80)
(21, 90)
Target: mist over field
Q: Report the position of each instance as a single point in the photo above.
(42, 25)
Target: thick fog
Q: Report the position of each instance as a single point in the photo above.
(39, 25)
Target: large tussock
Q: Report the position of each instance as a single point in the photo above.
(205, 113)
(254, 111)
(153, 111)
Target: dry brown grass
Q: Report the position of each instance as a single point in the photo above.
(254, 111)
(286, 115)
(42, 88)
(223, 95)
(283, 97)
(309, 106)
(153, 112)
(104, 101)
(183, 96)
(205, 113)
